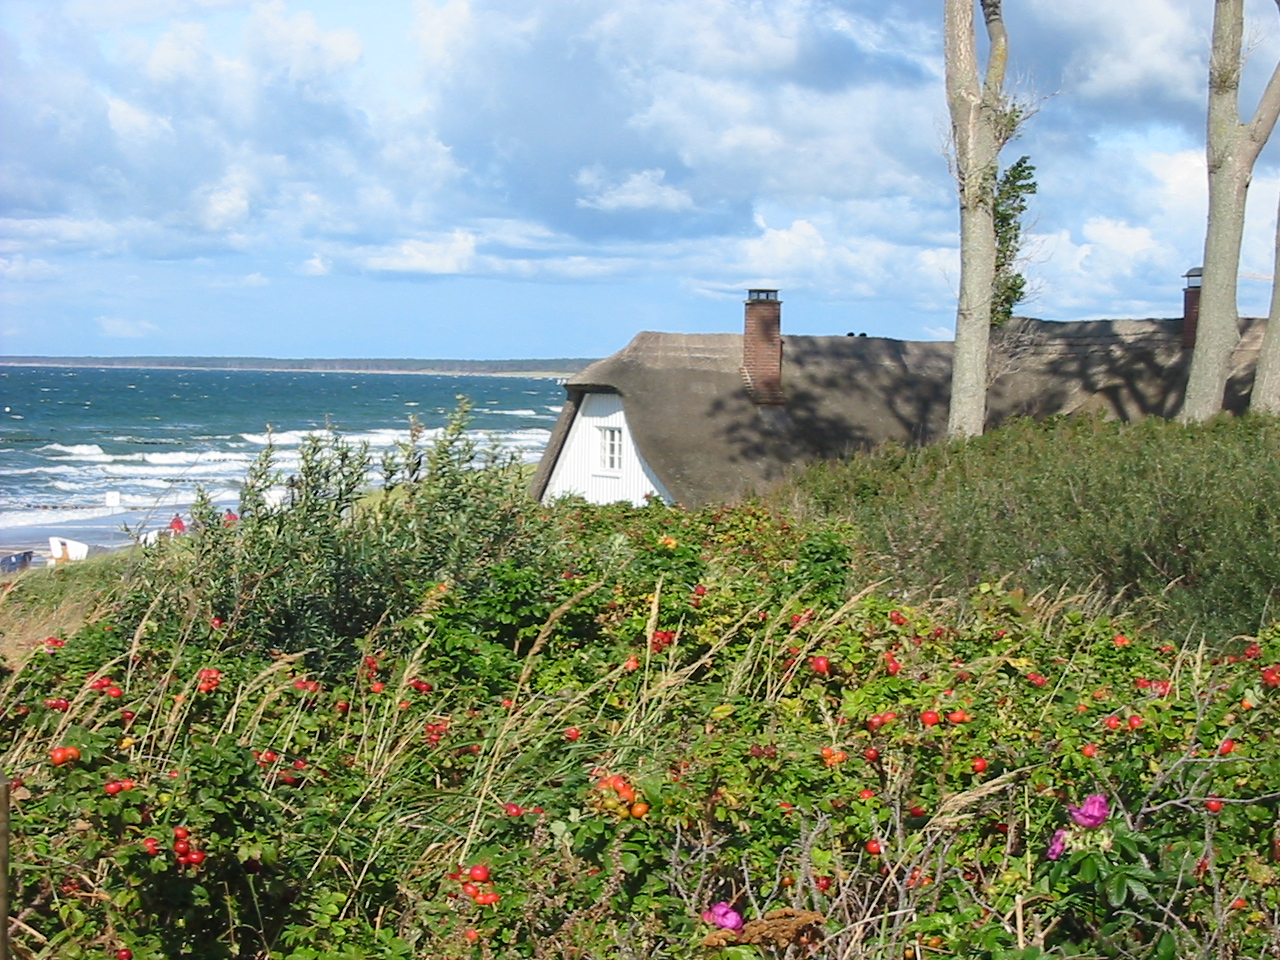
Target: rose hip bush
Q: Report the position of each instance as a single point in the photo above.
(672, 735)
(327, 819)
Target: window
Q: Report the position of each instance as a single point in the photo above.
(611, 448)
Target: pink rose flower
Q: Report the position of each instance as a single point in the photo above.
(1057, 846)
(1093, 813)
(724, 916)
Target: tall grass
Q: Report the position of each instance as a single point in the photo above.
(529, 621)
(40, 603)
(1184, 518)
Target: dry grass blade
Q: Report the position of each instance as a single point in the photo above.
(545, 633)
(950, 813)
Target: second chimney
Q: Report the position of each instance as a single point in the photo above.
(762, 347)
(1191, 307)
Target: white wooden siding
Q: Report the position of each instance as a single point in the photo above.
(582, 467)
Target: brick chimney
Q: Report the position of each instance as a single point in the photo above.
(762, 347)
(1191, 307)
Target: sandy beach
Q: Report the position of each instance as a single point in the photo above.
(103, 532)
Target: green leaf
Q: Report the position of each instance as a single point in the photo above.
(1117, 889)
(1088, 869)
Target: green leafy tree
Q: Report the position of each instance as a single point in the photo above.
(1009, 288)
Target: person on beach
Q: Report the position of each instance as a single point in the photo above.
(229, 518)
(176, 525)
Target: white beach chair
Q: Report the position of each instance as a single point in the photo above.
(62, 550)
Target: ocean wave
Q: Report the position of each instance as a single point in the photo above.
(33, 518)
(44, 482)
(151, 484)
(69, 487)
(23, 471)
(178, 498)
(192, 474)
(539, 434)
(375, 438)
(128, 511)
(191, 457)
(153, 441)
(75, 450)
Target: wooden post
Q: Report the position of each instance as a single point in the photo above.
(4, 867)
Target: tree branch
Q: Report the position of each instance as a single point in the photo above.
(998, 58)
(1264, 118)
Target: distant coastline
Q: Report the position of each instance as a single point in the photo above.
(534, 369)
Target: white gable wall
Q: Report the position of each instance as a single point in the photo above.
(599, 459)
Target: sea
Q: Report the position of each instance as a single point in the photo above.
(81, 444)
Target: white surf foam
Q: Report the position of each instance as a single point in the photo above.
(193, 457)
(32, 518)
(76, 449)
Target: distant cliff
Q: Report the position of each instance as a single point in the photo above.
(510, 368)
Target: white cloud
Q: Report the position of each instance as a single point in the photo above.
(108, 14)
(799, 248)
(226, 205)
(298, 44)
(180, 53)
(713, 36)
(131, 123)
(255, 280)
(64, 232)
(1118, 239)
(127, 329)
(317, 266)
(442, 31)
(1121, 49)
(453, 254)
(570, 141)
(21, 269)
(1097, 269)
(1181, 184)
(640, 191)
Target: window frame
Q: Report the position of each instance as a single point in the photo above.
(609, 451)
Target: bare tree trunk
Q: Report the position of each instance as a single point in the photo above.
(981, 124)
(1266, 384)
(1231, 149)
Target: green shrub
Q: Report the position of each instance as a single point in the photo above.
(336, 559)
(1184, 517)
(334, 810)
(350, 702)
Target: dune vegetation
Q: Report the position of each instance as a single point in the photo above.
(1010, 698)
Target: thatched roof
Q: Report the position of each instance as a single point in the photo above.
(696, 426)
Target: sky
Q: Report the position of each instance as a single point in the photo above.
(491, 179)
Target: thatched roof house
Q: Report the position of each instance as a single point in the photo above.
(696, 418)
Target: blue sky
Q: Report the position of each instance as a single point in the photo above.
(526, 178)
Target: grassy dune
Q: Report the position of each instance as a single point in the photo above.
(866, 720)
